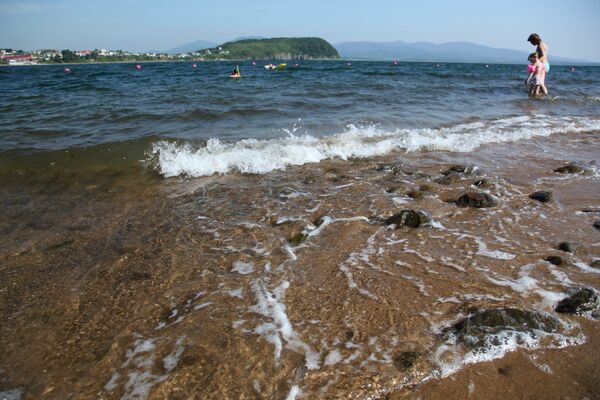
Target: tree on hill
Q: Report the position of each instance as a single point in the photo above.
(69, 56)
(277, 48)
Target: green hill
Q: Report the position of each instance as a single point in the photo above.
(275, 48)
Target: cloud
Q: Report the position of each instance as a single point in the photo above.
(20, 7)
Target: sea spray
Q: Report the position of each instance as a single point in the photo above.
(254, 156)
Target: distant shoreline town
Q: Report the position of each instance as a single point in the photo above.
(52, 56)
(274, 48)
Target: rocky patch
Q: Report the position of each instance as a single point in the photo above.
(415, 194)
(568, 247)
(483, 183)
(541, 196)
(477, 200)
(411, 218)
(448, 179)
(556, 260)
(475, 329)
(297, 239)
(461, 169)
(405, 360)
(569, 169)
(580, 300)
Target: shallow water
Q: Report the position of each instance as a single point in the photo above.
(132, 271)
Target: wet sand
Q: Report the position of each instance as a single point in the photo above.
(291, 285)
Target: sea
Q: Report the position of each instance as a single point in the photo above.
(169, 232)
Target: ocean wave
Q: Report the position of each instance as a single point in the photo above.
(263, 156)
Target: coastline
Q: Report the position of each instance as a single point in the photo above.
(294, 274)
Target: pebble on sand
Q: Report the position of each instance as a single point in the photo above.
(541, 196)
(477, 200)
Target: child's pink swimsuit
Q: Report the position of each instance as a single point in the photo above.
(540, 74)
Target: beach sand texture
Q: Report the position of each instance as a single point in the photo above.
(295, 284)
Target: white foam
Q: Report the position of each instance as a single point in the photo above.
(326, 221)
(239, 292)
(333, 358)
(263, 156)
(203, 305)
(295, 391)
(171, 360)
(290, 251)
(497, 254)
(242, 268)
(14, 394)
(586, 268)
(140, 362)
(450, 357)
(279, 328)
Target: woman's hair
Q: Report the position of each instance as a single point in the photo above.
(534, 38)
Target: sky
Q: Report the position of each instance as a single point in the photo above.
(570, 28)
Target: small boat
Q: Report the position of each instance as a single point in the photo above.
(281, 66)
(270, 67)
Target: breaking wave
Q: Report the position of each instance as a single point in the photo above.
(263, 156)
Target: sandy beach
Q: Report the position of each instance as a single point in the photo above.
(297, 284)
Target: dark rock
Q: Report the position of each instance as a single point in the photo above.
(568, 247)
(392, 189)
(590, 210)
(556, 260)
(569, 169)
(60, 245)
(541, 196)
(318, 220)
(483, 183)
(393, 168)
(595, 263)
(425, 188)
(297, 239)
(307, 180)
(449, 179)
(506, 371)
(415, 194)
(476, 199)
(473, 330)
(137, 276)
(579, 300)
(411, 218)
(405, 360)
(455, 169)
(596, 225)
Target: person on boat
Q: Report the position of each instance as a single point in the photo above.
(236, 71)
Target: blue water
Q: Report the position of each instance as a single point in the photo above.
(43, 108)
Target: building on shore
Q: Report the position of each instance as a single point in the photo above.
(21, 59)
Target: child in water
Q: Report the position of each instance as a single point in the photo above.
(537, 76)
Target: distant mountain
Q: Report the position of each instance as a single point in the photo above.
(450, 52)
(190, 47)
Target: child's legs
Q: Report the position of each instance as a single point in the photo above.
(543, 85)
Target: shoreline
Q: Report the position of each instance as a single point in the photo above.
(332, 60)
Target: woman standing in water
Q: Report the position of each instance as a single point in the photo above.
(542, 52)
